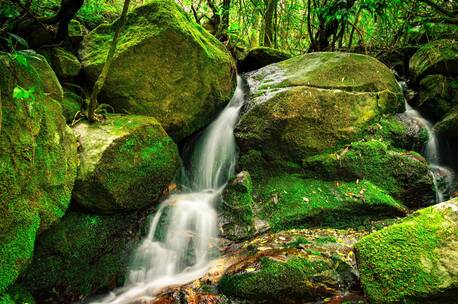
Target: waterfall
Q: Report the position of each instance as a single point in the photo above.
(183, 232)
(442, 176)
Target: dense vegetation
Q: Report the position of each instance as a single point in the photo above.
(344, 189)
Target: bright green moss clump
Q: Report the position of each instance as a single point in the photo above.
(189, 74)
(404, 175)
(126, 162)
(291, 201)
(37, 162)
(414, 261)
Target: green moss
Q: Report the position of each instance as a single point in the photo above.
(404, 175)
(237, 208)
(126, 162)
(83, 253)
(437, 57)
(190, 76)
(290, 201)
(37, 162)
(296, 279)
(413, 261)
(65, 63)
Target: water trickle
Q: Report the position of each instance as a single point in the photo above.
(442, 176)
(183, 232)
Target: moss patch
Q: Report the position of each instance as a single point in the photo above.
(404, 175)
(414, 261)
(291, 201)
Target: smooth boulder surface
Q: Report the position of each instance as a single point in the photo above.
(38, 161)
(260, 57)
(307, 104)
(126, 163)
(437, 57)
(82, 254)
(414, 261)
(164, 66)
(404, 175)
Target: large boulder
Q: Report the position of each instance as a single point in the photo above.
(448, 125)
(38, 159)
(437, 57)
(414, 261)
(260, 57)
(82, 254)
(307, 104)
(404, 175)
(65, 63)
(126, 163)
(165, 66)
(437, 95)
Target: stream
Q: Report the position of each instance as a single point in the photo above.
(183, 233)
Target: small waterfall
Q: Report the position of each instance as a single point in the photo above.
(183, 232)
(442, 176)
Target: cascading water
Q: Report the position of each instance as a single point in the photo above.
(442, 176)
(183, 232)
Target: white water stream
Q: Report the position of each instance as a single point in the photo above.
(183, 232)
(442, 176)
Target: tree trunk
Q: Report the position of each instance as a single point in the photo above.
(67, 10)
(269, 22)
(106, 67)
(224, 26)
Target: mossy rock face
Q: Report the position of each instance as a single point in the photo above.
(437, 95)
(71, 104)
(293, 266)
(237, 209)
(38, 162)
(76, 32)
(164, 66)
(81, 255)
(65, 64)
(437, 57)
(414, 261)
(260, 57)
(17, 295)
(308, 104)
(290, 201)
(448, 125)
(126, 163)
(404, 175)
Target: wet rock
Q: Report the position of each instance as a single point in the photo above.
(307, 104)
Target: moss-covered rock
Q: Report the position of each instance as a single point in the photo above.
(65, 64)
(308, 104)
(414, 261)
(76, 32)
(38, 160)
(82, 254)
(71, 104)
(17, 295)
(126, 163)
(437, 95)
(237, 209)
(437, 57)
(290, 201)
(404, 175)
(165, 66)
(293, 266)
(448, 125)
(260, 57)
